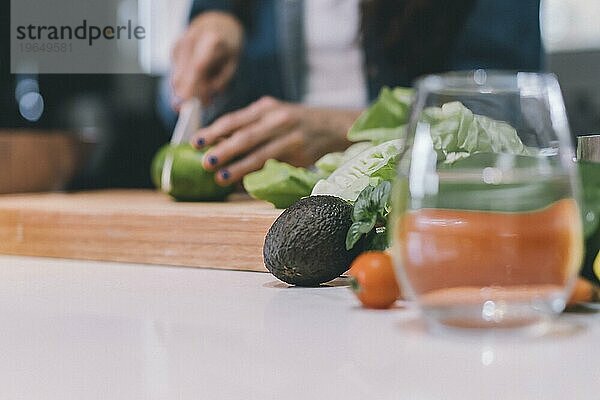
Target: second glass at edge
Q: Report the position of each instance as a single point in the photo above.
(486, 227)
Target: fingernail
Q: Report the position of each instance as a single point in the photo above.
(225, 174)
(200, 142)
(212, 160)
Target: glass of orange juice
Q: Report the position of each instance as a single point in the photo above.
(486, 225)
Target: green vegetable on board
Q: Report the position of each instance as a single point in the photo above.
(189, 181)
(280, 184)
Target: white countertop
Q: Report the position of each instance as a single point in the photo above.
(87, 330)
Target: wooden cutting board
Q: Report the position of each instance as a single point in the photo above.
(136, 226)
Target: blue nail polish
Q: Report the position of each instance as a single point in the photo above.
(200, 142)
(212, 160)
(225, 174)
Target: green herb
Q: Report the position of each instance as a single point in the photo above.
(369, 217)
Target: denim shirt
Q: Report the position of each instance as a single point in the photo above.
(497, 34)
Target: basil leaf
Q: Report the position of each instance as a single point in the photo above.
(354, 234)
(362, 207)
(371, 207)
(380, 197)
(367, 226)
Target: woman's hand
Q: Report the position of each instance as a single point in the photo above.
(205, 58)
(268, 128)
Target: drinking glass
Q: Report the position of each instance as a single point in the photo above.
(486, 224)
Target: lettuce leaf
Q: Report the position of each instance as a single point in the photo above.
(386, 118)
(280, 183)
(370, 167)
(457, 133)
(332, 161)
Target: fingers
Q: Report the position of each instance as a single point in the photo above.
(249, 137)
(229, 123)
(188, 80)
(256, 160)
(180, 56)
(219, 69)
(206, 56)
(201, 67)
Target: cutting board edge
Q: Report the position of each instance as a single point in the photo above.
(229, 242)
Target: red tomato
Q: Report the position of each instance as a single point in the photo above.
(373, 280)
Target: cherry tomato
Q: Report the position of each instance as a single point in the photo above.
(584, 292)
(373, 280)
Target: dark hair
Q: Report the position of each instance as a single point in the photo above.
(416, 34)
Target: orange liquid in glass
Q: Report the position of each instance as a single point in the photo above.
(460, 257)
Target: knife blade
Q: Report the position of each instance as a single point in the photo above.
(188, 122)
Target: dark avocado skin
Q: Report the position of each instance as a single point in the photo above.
(306, 245)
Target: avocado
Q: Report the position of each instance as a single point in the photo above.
(189, 180)
(306, 245)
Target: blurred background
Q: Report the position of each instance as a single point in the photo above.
(114, 127)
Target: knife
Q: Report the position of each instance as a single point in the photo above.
(187, 124)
